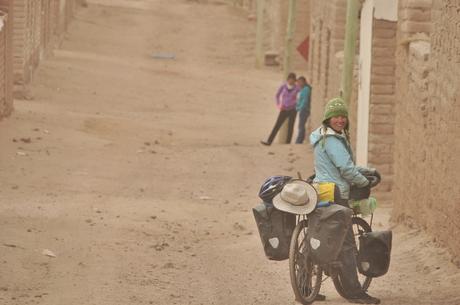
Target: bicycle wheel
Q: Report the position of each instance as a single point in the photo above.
(305, 276)
(360, 226)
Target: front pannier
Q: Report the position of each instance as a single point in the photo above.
(374, 253)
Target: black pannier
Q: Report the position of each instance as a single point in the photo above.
(275, 230)
(374, 253)
(327, 227)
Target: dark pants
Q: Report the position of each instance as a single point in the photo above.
(347, 256)
(283, 115)
(303, 116)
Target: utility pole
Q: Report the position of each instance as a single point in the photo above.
(290, 37)
(351, 27)
(260, 7)
(282, 134)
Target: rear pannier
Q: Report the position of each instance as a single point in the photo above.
(275, 230)
(327, 227)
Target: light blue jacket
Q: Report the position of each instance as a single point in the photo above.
(334, 161)
(303, 101)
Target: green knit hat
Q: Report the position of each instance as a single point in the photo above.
(335, 107)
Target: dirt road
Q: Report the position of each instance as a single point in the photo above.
(140, 173)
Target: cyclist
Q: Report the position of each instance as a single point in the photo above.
(334, 163)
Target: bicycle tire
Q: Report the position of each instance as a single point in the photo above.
(302, 270)
(365, 281)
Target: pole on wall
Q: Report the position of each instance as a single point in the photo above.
(351, 28)
(289, 37)
(287, 65)
(260, 7)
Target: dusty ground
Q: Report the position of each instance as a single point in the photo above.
(139, 174)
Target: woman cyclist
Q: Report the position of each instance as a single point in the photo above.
(334, 163)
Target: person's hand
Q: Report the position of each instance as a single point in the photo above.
(371, 174)
(373, 180)
(358, 193)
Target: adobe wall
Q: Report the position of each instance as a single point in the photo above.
(3, 52)
(426, 164)
(26, 28)
(37, 28)
(327, 32)
(6, 58)
(275, 27)
(302, 31)
(382, 106)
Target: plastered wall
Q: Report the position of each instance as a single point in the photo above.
(427, 119)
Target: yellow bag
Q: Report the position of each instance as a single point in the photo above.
(325, 191)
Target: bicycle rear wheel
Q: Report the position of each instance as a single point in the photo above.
(305, 275)
(360, 226)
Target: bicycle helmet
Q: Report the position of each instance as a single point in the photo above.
(272, 186)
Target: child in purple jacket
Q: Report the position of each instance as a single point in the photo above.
(286, 99)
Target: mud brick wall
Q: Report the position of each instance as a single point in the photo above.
(414, 17)
(275, 27)
(37, 28)
(327, 33)
(26, 27)
(302, 31)
(427, 143)
(382, 104)
(48, 25)
(6, 58)
(3, 57)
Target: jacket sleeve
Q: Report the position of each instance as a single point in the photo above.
(278, 94)
(341, 158)
(366, 170)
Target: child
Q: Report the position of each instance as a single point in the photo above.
(303, 107)
(286, 99)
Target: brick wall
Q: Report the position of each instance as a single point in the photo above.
(427, 165)
(23, 40)
(327, 31)
(302, 31)
(3, 56)
(38, 26)
(6, 55)
(30, 28)
(275, 26)
(382, 104)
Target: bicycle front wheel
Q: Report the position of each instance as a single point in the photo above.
(360, 226)
(305, 275)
